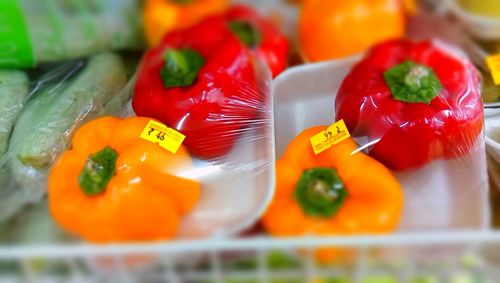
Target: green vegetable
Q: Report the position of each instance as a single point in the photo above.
(181, 67)
(14, 88)
(48, 121)
(62, 30)
(424, 279)
(379, 279)
(51, 116)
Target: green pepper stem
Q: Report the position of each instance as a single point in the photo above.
(181, 68)
(320, 192)
(412, 83)
(246, 32)
(98, 171)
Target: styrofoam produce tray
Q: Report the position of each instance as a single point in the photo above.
(443, 195)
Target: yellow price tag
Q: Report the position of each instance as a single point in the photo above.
(334, 134)
(493, 63)
(162, 135)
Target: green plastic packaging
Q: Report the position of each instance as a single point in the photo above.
(42, 31)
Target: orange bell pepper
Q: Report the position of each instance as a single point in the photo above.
(113, 186)
(335, 29)
(334, 192)
(163, 16)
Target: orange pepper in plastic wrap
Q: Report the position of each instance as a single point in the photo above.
(335, 29)
(113, 186)
(336, 192)
(163, 16)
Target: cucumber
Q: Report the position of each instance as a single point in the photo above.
(50, 118)
(46, 125)
(14, 89)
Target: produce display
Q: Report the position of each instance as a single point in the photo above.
(170, 123)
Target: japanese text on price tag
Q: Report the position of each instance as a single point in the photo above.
(334, 134)
(162, 135)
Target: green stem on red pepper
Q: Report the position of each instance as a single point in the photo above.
(413, 83)
(181, 67)
(320, 192)
(247, 33)
(98, 171)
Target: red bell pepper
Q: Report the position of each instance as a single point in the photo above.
(260, 35)
(200, 81)
(419, 98)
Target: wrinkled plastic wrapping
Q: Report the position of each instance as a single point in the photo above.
(236, 185)
(229, 136)
(443, 194)
(56, 30)
(404, 135)
(39, 124)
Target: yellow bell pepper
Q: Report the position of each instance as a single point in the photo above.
(163, 16)
(113, 186)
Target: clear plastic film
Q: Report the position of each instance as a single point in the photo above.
(45, 115)
(436, 149)
(225, 113)
(174, 163)
(57, 30)
(413, 103)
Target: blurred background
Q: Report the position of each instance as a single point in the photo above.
(64, 63)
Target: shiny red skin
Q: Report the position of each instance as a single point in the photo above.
(273, 47)
(413, 134)
(223, 99)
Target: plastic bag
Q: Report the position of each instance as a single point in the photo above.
(55, 30)
(60, 101)
(444, 194)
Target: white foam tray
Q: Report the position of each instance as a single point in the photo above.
(441, 196)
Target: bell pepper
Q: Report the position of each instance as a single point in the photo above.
(200, 81)
(162, 16)
(261, 35)
(335, 29)
(419, 100)
(113, 186)
(336, 192)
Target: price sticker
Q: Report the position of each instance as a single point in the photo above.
(162, 135)
(334, 134)
(493, 63)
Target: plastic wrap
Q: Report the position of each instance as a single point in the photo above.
(413, 103)
(59, 102)
(476, 33)
(158, 191)
(55, 30)
(238, 182)
(197, 162)
(224, 111)
(444, 194)
(493, 149)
